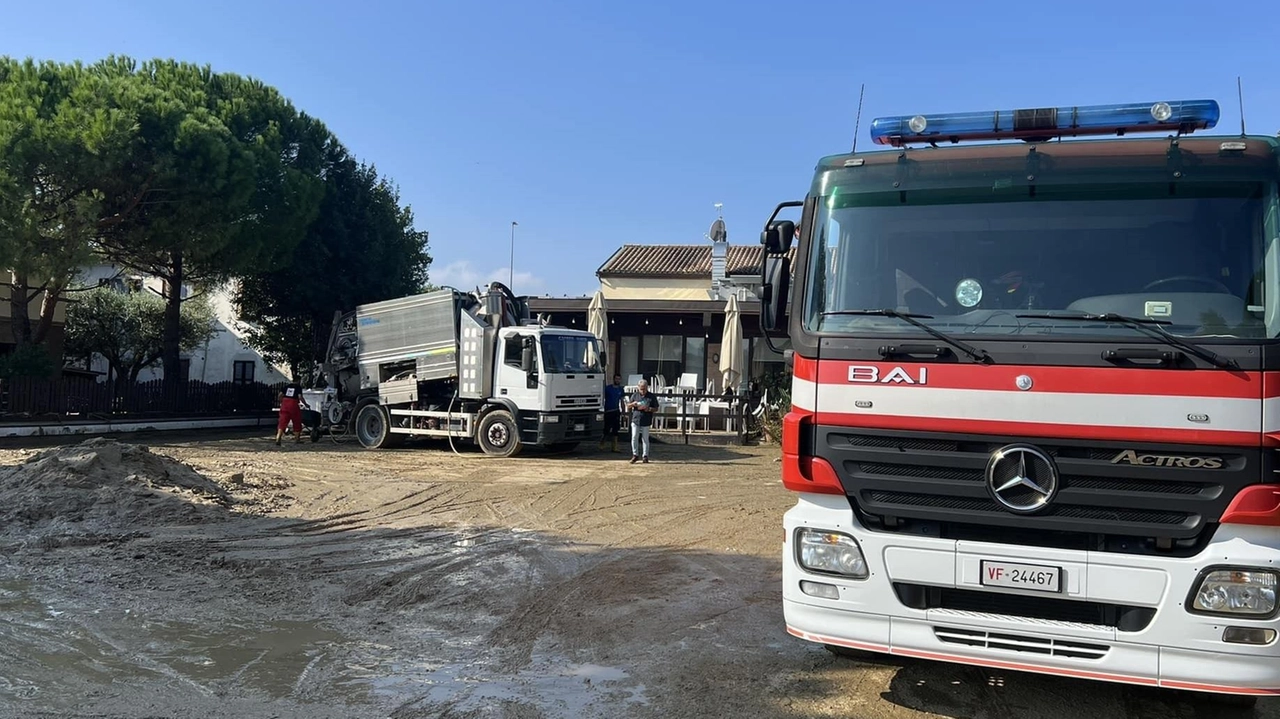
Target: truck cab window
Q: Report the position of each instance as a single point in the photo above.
(511, 351)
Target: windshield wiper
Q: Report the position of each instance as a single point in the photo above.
(1152, 327)
(911, 318)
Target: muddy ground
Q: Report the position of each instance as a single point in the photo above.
(327, 581)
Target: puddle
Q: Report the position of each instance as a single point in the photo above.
(50, 653)
(278, 659)
(56, 651)
(565, 689)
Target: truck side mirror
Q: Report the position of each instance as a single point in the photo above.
(526, 358)
(775, 286)
(777, 237)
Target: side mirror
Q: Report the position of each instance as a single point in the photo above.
(526, 357)
(777, 237)
(774, 291)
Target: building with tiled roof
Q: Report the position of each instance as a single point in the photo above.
(663, 261)
(666, 309)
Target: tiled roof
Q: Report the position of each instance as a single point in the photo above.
(680, 261)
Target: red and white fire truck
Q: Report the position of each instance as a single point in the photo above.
(1036, 396)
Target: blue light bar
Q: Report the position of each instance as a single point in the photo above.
(1047, 123)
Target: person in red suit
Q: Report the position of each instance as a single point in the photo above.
(291, 404)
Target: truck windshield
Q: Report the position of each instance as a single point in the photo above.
(1198, 261)
(570, 354)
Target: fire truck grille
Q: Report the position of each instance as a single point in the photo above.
(947, 602)
(902, 499)
(1111, 496)
(1020, 643)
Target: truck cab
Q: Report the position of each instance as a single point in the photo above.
(1034, 416)
(554, 377)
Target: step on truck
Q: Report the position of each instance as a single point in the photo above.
(468, 367)
(1036, 396)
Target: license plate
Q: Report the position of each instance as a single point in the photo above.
(579, 427)
(1036, 577)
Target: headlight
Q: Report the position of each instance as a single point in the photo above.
(831, 553)
(549, 418)
(600, 417)
(1236, 591)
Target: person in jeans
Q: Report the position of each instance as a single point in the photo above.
(642, 406)
(613, 395)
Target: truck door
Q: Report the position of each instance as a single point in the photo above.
(511, 381)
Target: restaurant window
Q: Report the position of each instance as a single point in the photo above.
(768, 368)
(662, 355)
(695, 359)
(629, 358)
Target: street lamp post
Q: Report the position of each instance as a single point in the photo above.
(511, 269)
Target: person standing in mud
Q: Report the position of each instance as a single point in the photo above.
(642, 406)
(613, 395)
(291, 404)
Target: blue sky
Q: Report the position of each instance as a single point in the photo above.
(599, 124)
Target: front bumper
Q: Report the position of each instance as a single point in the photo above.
(1176, 649)
(568, 427)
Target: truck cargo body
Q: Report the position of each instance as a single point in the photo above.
(1070, 468)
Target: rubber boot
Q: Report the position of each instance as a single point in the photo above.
(601, 445)
(615, 445)
(279, 436)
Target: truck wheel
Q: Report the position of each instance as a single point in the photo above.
(373, 427)
(498, 434)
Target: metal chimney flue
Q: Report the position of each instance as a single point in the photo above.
(719, 237)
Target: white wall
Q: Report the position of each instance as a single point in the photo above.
(212, 363)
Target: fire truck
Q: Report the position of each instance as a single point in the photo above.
(1036, 397)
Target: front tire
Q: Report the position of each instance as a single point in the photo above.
(373, 427)
(498, 434)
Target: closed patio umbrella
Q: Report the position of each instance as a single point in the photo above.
(731, 368)
(597, 318)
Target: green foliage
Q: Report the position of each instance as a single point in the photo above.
(58, 139)
(127, 329)
(361, 248)
(196, 178)
(223, 178)
(27, 361)
(778, 387)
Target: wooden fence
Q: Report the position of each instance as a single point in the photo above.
(84, 398)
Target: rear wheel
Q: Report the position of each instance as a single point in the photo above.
(498, 434)
(373, 427)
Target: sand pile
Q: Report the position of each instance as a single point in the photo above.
(103, 486)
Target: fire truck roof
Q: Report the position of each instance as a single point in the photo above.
(1250, 158)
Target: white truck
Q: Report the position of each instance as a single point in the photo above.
(463, 366)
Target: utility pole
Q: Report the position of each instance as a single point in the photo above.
(511, 270)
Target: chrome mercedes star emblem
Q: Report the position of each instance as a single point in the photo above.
(1024, 382)
(1022, 478)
